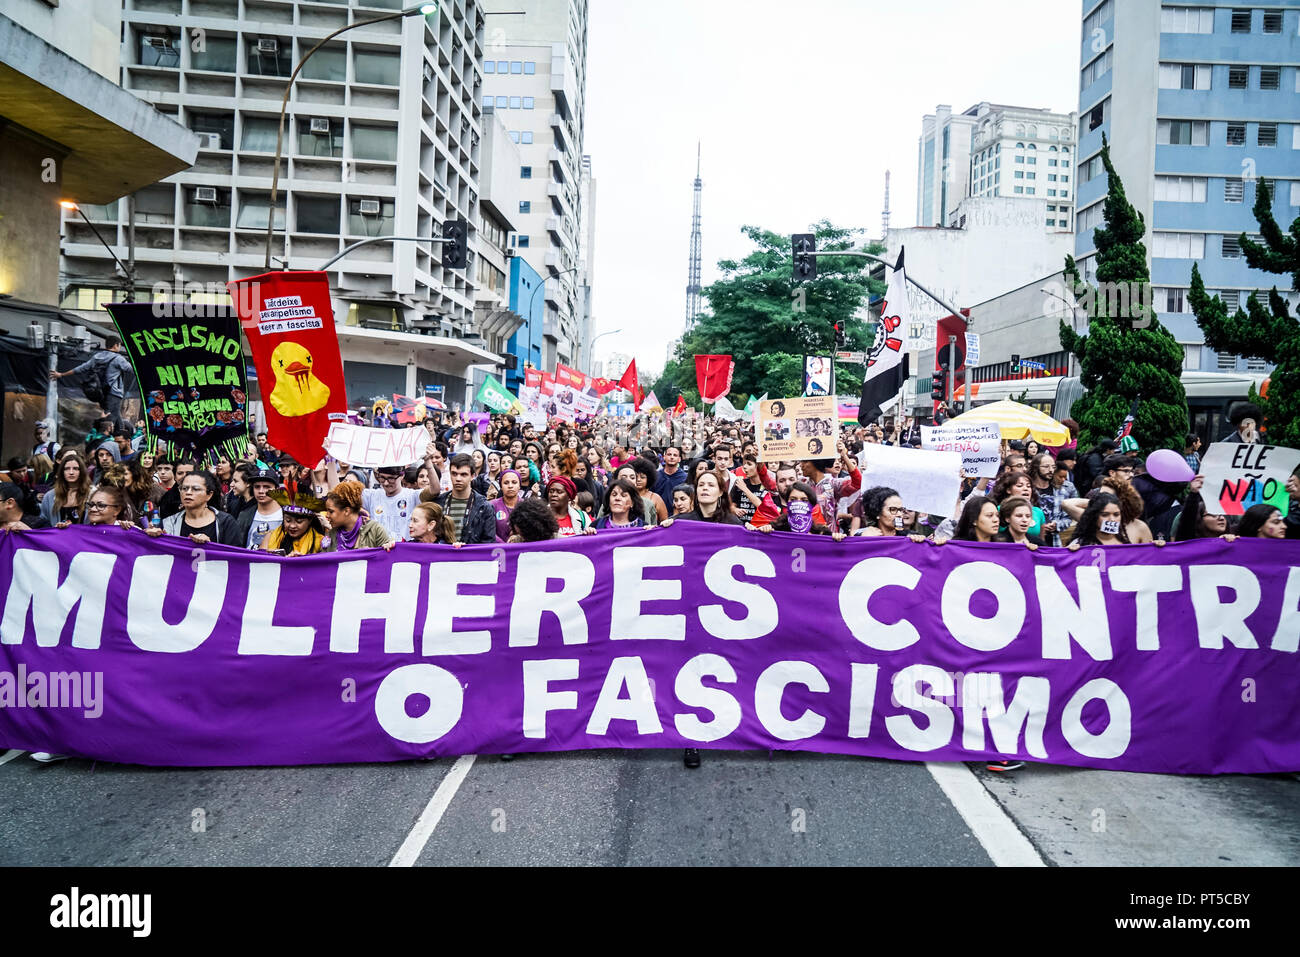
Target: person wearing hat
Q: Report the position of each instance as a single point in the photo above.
(301, 532)
(1129, 446)
(471, 514)
(560, 493)
(254, 524)
(1245, 418)
(391, 505)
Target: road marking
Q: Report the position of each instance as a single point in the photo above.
(413, 846)
(985, 817)
(10, 755)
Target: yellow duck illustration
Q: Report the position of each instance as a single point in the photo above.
(297, 391)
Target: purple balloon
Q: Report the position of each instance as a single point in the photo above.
(1166, 465)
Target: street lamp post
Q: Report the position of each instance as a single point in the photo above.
(591, 346)
(425, 8)
(532, 300)
(129, 273)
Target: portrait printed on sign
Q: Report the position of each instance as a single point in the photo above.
(816, 375)
(796, 428)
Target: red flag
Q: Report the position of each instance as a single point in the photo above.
(637, 398)
(604, 386)
(289, 322)
(680, 407)
(533, 378)
(629, 380)
(713, 376)
(546, 384)
(567, 375)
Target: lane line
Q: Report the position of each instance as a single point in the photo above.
(10, 755)
(415, 842)
(985, 817)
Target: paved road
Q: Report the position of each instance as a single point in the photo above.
(642, 807)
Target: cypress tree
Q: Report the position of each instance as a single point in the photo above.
(1126, 355)
(1271, 333)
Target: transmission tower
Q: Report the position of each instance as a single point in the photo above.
(697, 252)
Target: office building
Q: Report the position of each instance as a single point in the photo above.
(1199, 103)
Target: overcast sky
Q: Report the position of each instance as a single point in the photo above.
(801, 108)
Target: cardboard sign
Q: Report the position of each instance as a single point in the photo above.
(797, 428)
(374, 448)
(926, 481)
(979, 444)
(1239, 476)
(972, 349)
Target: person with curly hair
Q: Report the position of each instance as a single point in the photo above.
(1101, 523)
(882, 512)
(1117, 484)
(532, 521)
(802, 514)
(622, 507)
(1016, 515)
(347, 531)
(1019, 484)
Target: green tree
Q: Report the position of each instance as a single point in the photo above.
(1126, 354)
(767, 322)
(1272, 333)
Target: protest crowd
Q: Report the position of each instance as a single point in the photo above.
(510, 482)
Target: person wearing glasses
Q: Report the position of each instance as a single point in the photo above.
(882, 509)
(391, 505)
(198, 520)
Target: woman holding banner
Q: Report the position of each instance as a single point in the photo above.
(1017, 484)
(979, 521)
(1195, 522)
(882, 510)
(429, 525)
(198, 520)
(502, 507)
(802, 514)
(300, 531)
(622, 507)
(560, 493)
(64, 502)
(346, 530)
(711, 504)
(1016, 516)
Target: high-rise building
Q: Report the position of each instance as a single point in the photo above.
(535, 78)
(383, 137)
(1199, 105)
(586, 262)
(994, 150)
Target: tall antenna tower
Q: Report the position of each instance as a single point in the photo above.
(697, 251)
(884, 217)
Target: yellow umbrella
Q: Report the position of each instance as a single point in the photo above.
(1017, 421)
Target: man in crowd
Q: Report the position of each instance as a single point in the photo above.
(170, 503)
(830, 489)
(391, 505)
(472, 515)
(671, 475)
(1192, 452)
(113, 371)
(11, 508)
(254, 524)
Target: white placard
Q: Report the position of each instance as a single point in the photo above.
(374, 448)
(979, 444)
(972, 349)
(927, 482)
(1238, 476)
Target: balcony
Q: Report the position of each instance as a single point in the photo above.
(565, 138)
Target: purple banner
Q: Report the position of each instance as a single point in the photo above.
(1179, 659)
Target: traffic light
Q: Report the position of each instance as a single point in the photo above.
(840, 340)
(805, 266)
(1015, 365)
(939, 387)
(455, 252)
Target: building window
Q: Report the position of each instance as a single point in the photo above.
(374, 143)
(157, 48)
(1231, 247)
(503, 102)
(515, 102)
(528, 103)
(367, 222)
(1270, 78)
(320, 136)
(253, 208)
(1238, 77)
(214, 210)
(317, 214)
(530, 68)
(1020, 159)
(523, 242)
(1030, 191)
(1175, 300)
(1231, 299)
(1180, 189)
(1295, 194)
(525, 206)
(1240, 21)
(1256, 365)
(1267, 135)
(1178, 245)
(259, 134)
(1092, 168)
(1020, 174)
(503, 66)
(269, 56)
(219, 55)
(1182, 132)
(1272, 21)
(1184, 76)
(489, 66)
(526, 137)
(1031, 176)
(1191, 358)
(1095, 70)
(1090, 218)
(1186, 20)
(216, 130)
(1226, 363)
(525, 172)
(1234, 191)
(514, 135)
(1099, 16)
(516, 66)
(380, 69)
(1236, 134)
(1051, 192)
(1098, 115)
(1051, 177)
(1020, 189)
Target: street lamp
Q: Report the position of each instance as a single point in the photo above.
(591, 346)
(128, 273)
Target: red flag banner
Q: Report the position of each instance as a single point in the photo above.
(289, 322)
(713, 376)
(629, 380)
(566, 375)
(533, 378)
(680, 407)
(546, 384)
(604, 386)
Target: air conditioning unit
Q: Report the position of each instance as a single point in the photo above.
(162, 43)
(206, 194)
(210, 141)
(321, 125)
(510, 253)
(268, 46)
(368, 207)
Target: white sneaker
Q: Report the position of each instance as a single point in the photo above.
(48, 757)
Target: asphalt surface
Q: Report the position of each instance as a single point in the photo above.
(602, 808)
